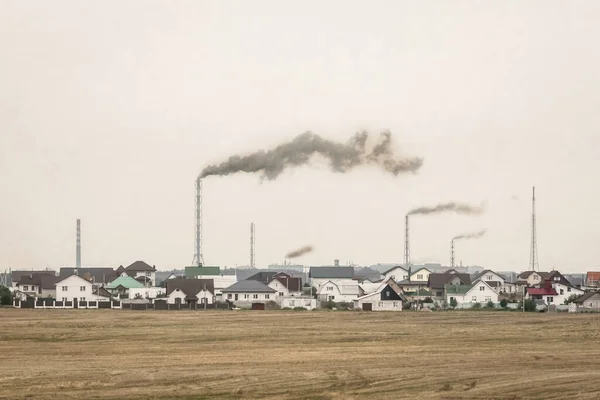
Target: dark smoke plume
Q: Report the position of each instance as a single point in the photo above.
(470, 235)
(342, 157)
(300, 252)
(459, 208)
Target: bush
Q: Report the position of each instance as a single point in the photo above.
(476, 306)
(272, 305)
(5, 296)
(503, 303)
(344, 306)
(428, 300)
(299, 309)
(529, 305)
(490, 304)
(328, 305)
(453, 303)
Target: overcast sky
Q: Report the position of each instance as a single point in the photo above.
(110, 109)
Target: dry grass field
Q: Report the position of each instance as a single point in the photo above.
(78, 354)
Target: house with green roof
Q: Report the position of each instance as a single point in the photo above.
(120, 286)
(197, 272)
(466, 296)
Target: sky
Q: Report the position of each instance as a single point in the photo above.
(109, 111)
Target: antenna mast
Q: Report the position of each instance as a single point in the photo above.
(533, 255)
(452, 253)
(406, 244)
(78, 245)
(198, 258)
(252, 233)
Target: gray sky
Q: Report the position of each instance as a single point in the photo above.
(109, 110)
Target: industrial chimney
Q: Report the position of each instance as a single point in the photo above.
(78, 248)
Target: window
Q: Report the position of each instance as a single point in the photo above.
(281, 293)
(64, 288)
(25, 288)
(255, 296)
(438, 294)
(330, 288)
(420, 276)
(245, 296)
(482, 288)
(229, 295)
(267, 296)
(568, 289)
(550, 299)
(488, 278)
(395, 304)
(64, 299)
(82, 299)
(474, 299)
(82, 288)
(562, 291)
(148, 273)
(381, 304)
(387, 293)
(557, 278)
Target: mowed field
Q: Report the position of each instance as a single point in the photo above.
(93, 354)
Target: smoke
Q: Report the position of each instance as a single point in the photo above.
(342, 157)
(459, 208)
(475, 235)
(300, 252)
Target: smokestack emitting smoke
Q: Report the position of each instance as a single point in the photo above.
(342, 157)
(459, 208)
(300, 252)
(470, 235)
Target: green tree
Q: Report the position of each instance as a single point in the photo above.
(453, 303)
(5, 296)
(503, 303)
(572, 298)
(530, 305)
(490, 304)
(476, 306)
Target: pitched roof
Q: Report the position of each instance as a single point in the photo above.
(485, 272)
(140, 266)
(541, 291)
(439, 280)
(393, 268)
(593, 276)
(62, 278)
(292, 284)
(126, 281)
(46, 281)
(192, 272)
(248, 286)
(586, 296)
(420, 292)
(399, 295)
(96, 274)
(332, 272)
(458, 289)
(191, 287)
(366, 272)
(102, 292)
(16, 275)
(263, 276)
(418, 270)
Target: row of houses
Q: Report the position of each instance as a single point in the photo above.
(393, 289)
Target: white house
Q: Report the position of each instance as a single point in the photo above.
(563, 292)
(589, 301)
(532, 278)
(246, 292)
(141, 272)
(338, 292)
(76, 288)
(420, 275)
(467, 295)
(187, 291)
(397, 273)
(497, 281)
(286, 286)
(340, 275)
(384, 299)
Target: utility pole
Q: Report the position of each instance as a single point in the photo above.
(452, 253)
(533, 254)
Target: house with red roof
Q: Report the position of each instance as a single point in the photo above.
(546, 294)
(592, 279)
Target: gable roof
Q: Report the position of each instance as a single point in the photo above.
(126, 281)
(366, 272)
(393, 268)
(544, 291)
(292, 284)
(458, 289)
(248, 286)
(46, 281)
(96, 274)
(191, 287)
(192, 272)
(331, 272)
(61, 279)
(439, 280)
(486, 272)
(102, 292)
(263, 276)
(593, 276)
(395, 295)
(419, 270)
(586, 296)
(343, 289)
(140, 266)
(16, 276)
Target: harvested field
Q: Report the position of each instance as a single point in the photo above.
(93, 354)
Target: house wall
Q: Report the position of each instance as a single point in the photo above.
(420, 276)
(564, 292)
(176, 294)
(591, 303)
(246, 299)
(279, 287)
(377, 304)
(333, 292)
(151, 275)
(508, 287)
(306, 302)
(397, 274)
(150, 292)
(73, 286)
(205, 294)
(318, 282)
(475, 295)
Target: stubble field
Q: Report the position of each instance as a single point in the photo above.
(79, 354)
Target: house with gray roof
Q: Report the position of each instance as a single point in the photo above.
(339, 275)
(246, 292)
(189, 291)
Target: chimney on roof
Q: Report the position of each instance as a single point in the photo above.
(336, 263)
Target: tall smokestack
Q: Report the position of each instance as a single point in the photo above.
(406, 244)
(452, 253)
(78, 249)
(252, 255)
(198, 258)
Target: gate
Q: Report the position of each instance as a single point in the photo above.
(367, 307)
